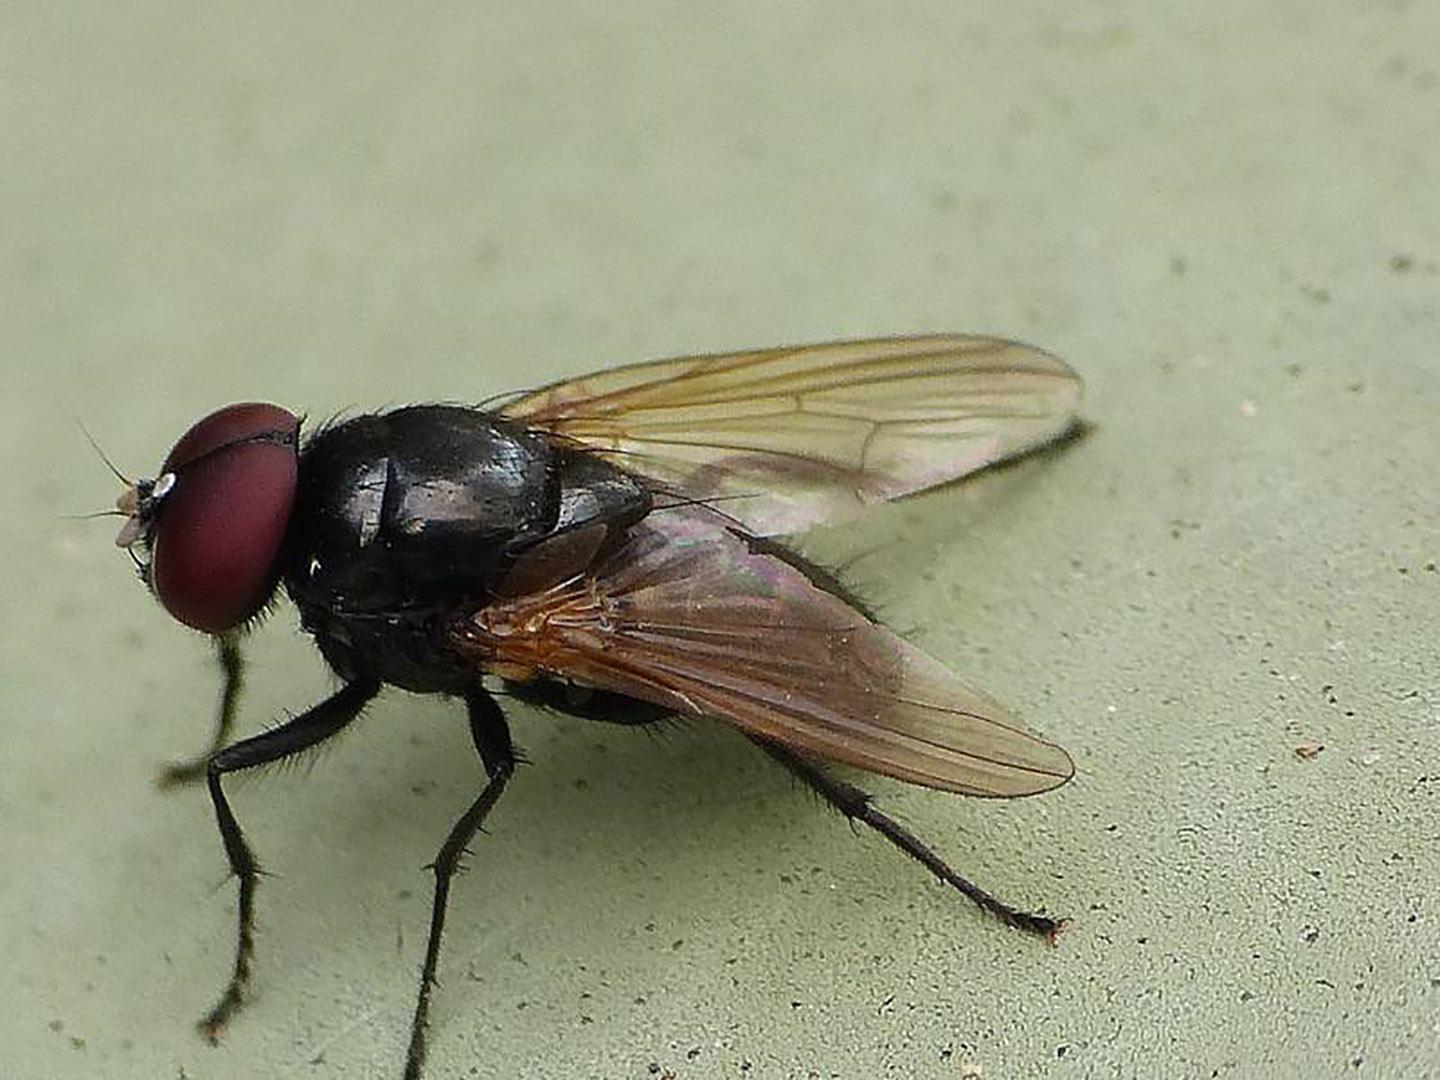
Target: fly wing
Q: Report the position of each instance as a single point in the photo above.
(693, 616)
(786, 438)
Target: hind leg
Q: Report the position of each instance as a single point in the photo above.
(856, 805)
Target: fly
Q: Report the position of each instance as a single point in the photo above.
(604, 545)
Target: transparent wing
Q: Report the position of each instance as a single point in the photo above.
(691, 616)
(791, 437)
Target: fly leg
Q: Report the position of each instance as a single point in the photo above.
(232, 667)
(492, 739)
(856, 805)
(310, 727)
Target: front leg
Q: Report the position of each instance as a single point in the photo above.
(232, 670)
(492, 739)
(307, 729)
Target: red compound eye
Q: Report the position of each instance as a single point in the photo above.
(218, 530)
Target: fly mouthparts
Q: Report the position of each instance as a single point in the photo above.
(129, 501)
(137, 502)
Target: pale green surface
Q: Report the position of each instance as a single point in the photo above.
(1228, 221)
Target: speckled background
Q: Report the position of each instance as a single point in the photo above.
(1225, 218)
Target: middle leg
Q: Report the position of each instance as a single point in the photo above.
(492, 739)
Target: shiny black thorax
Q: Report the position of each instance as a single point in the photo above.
(407, 519)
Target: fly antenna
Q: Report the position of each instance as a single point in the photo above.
(96, 514)
(103, 456)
